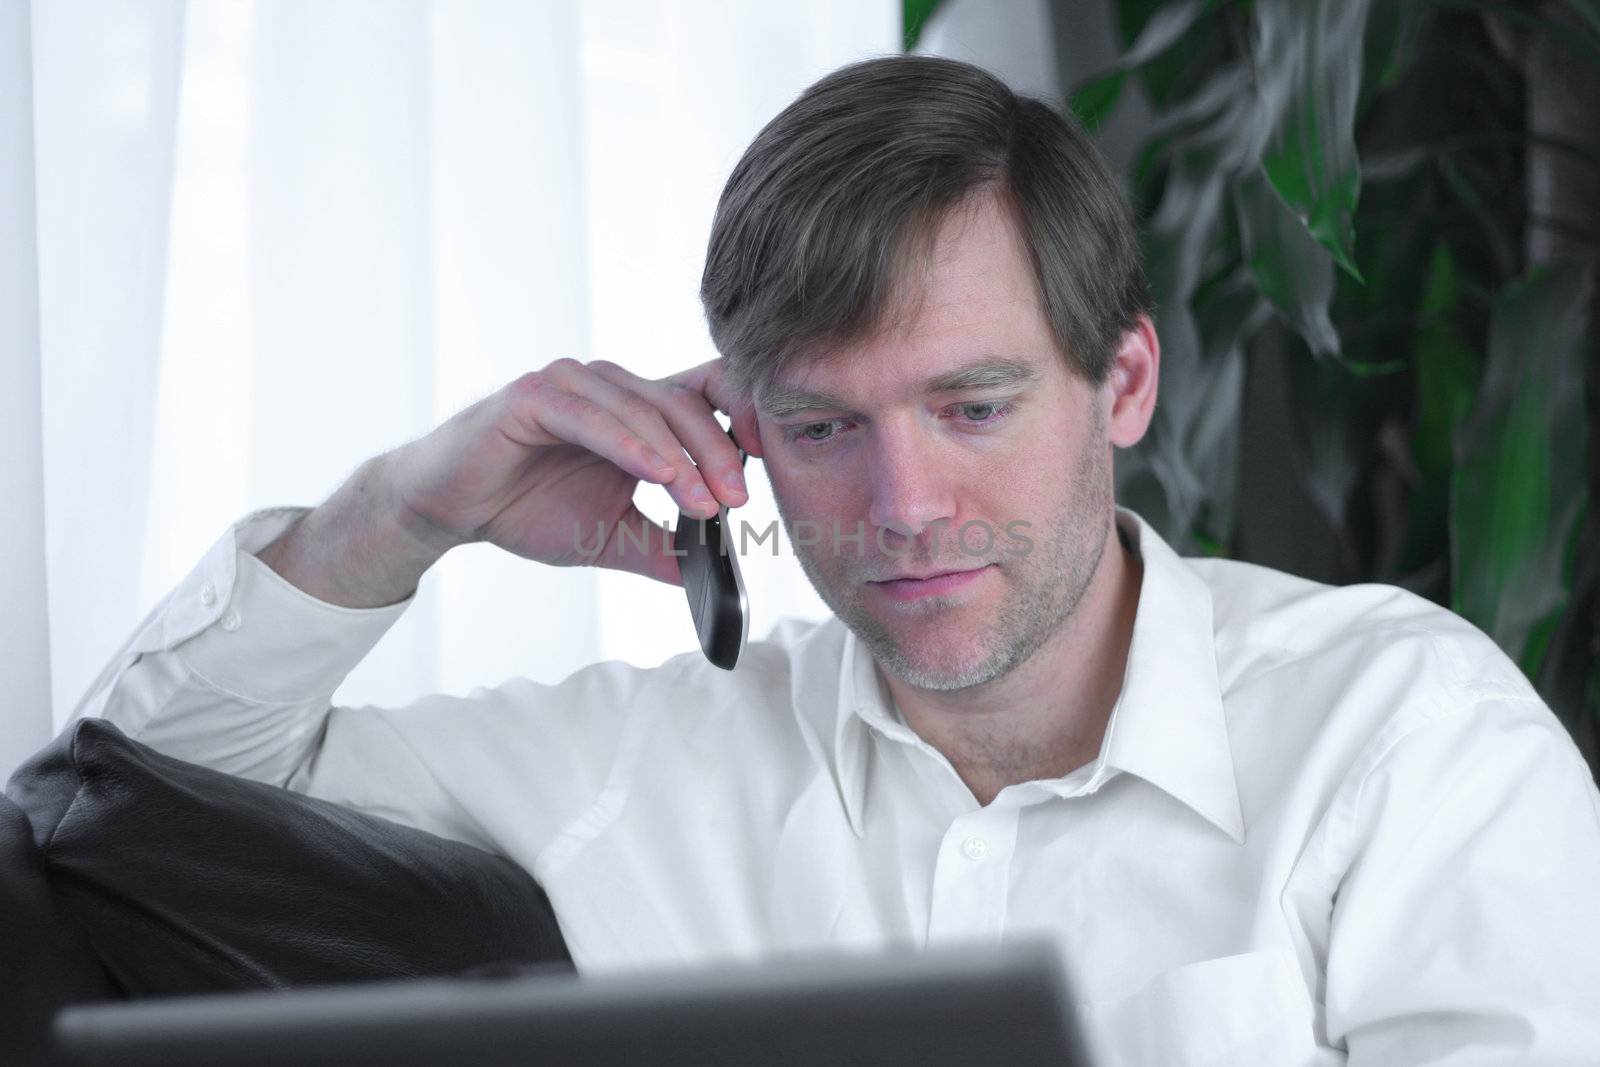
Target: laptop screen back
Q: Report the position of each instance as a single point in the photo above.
(945, 1006)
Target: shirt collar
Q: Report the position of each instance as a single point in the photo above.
(1166, 727)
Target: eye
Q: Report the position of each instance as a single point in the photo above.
(979, 414)
(804, 432)
(998, 411)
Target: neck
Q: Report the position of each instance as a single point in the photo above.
(1047, 717)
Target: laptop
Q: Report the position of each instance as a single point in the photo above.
(943, 1006)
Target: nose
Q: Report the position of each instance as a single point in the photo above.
(910, 488)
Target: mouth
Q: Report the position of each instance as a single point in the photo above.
(910, 588)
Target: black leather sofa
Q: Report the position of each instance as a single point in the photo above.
(125, 873)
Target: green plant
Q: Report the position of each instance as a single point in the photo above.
(1371, 230)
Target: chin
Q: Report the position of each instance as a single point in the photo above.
(944, 642)
(935, 669)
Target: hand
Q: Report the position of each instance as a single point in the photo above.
(547, 466)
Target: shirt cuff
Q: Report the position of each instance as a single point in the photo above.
(245, 629)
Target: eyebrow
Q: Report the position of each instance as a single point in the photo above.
(988, 373)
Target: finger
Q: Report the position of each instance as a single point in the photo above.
(712, 382)
(690, 418)
(716, 455)
(541, 412)
(709, 379)
(640, 545)
(686, 487)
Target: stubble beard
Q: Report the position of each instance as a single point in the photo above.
(1044, 590)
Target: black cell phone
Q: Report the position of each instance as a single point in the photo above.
(709, 563)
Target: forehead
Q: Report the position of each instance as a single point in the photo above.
(968, 315)
(978, 252)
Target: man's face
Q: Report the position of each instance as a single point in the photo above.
(909, 469)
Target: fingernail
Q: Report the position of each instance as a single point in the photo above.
(702, 500)
(734, 478)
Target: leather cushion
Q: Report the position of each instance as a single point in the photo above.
(44, 963)
(188, 880)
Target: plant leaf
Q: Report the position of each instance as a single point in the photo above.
(1517, 497)
(1292, 269)
(1394, 31)
(1589, 11)
(1093, 98)
(914, 15)
(1227, 314)
(1175, 243)
(1447, 374)
(1569, 37)
(1163, 29)
(1308, 67)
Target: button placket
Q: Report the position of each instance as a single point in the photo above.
(971, 880)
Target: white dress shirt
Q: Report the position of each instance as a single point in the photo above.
(1324, 824)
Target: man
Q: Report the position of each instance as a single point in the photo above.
(1265, 820)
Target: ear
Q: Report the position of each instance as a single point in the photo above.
(746, 429)
(1130, 388)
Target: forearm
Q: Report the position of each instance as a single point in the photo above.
(360, 548)
(235, 668)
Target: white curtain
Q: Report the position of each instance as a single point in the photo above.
(25, 663)
(274, 239)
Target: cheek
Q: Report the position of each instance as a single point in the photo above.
(1026, 476)
(810, 488)
(1034, 486)
(808, 495)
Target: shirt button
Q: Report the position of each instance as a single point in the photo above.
(975, 848)
(208, 594)
(231, 621)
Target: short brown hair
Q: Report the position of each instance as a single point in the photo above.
(843, 190)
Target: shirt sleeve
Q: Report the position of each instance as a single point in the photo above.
(235, 669)
(1466, 925)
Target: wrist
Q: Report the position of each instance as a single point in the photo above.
(359, 549)
(410, 534)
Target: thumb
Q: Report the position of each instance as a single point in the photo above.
(640, 545)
